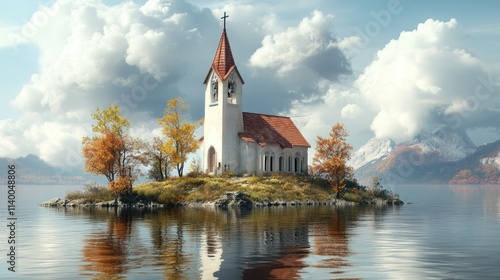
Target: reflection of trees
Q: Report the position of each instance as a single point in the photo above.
(106, 252)
(167, 232)
(283, 234)
(331, 239)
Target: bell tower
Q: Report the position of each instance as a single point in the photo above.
(223, 111)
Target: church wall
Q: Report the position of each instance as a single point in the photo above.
(249, 157)
(266, 160)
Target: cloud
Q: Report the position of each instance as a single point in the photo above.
(310, 45)
(420, 80)
(350, 111)
(340, 103)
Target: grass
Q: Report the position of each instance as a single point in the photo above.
(204, 188)
(199, 189)
(359, 193)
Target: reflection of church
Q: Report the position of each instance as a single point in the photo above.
(243, 142)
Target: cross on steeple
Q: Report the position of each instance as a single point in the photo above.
(224, 18)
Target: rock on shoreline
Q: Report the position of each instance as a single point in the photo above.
(230, 199)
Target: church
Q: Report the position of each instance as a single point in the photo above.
(241, 142)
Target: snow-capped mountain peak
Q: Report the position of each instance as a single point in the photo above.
(448, 144)
(373, 150)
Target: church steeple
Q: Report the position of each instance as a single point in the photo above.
(223, 61)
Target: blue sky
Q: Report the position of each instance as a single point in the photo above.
(383, 68)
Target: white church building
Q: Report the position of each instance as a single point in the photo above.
(241, 142)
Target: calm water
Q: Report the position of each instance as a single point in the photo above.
(447, 232)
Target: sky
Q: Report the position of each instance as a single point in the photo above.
(383, 68)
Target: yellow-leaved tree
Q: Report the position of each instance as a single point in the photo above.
(158, 159)
(331, 156)
(112, 152)
(179, 134)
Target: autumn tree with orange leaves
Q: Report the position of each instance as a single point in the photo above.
(179, 134)
(330, 159)
(112, 152)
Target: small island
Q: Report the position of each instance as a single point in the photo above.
(198, 190)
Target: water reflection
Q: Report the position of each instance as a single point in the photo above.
(489, 195)
(267, 243)
(105, 252)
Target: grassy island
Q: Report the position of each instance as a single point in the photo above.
(259, 190)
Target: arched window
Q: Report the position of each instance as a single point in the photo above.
(266, 162)
(297, 163)
(215, 88)
(289, 164)
(282, 163)
(272, 163)
(231, 89)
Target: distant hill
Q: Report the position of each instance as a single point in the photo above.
(442, 157)
(34, 171)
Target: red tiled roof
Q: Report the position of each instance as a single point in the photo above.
(223, 63)
(266, 129)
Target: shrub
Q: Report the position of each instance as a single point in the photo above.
(92, 193)
(172, 196)
(228, 174)
(194, 174)
(287, 186)
(351, 197)
(74, 195)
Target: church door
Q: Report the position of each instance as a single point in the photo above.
(212, 159)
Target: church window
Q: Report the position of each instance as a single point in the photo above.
(281, 163)
(231, 88)
(297, 163)
(289, 164)
(266, 162)
(215, 88)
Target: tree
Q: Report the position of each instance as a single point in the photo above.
(112, 152)
(101, 154)
(331, 156)
(376, 182)
(159, 160)
(179, 134)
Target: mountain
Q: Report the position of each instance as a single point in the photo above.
(440, 157)
(445, 144)
(481, 167)
(33, 170)
(373, 150)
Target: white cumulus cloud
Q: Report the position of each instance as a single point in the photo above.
(309, 45)
(419, 79)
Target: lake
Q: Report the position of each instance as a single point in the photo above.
(445, 232)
